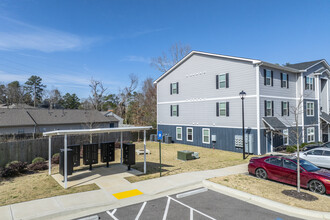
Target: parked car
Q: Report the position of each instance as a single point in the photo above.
(313, 146)
(284, 169)
(318, 156)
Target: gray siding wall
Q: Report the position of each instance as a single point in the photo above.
(310, 94)
(324, 95)
(14, 130)
(311, 120)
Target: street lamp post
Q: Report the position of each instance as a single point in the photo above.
(242, 95)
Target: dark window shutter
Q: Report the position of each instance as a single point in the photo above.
(265, 76)
(305, 82)
(282, 108)
(217, 81)
(272, 78)
(287, 84)
(217, 109)
(265, 107)
(177, 88)
(313, 83)
(177, 110)
(171, 110)
(227, 80)
(227, 109)
(171, 88)
(272, 108)
(288, 108)
(281, 80)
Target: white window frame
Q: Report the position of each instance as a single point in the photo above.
(222, 109)
(271, 109)
(309, 83)
(222, 81)
(284, 81)
(310, 134)
(176, 110)
(176, 130)
(268, 77)
(206, 129)
(176, 89)
(286, 137)
(192, 134)
(287, 109)
(310, 111)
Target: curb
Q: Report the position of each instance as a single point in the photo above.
(268, 204)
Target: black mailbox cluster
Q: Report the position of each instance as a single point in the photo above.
(75, 154)
(90, 154)
(129, 154)
(69, 164)
(107, 152)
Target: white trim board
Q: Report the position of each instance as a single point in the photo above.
(205, 99)
(206, 126)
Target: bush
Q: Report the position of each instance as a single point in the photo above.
(9, 172)
(291, 149)
(56, 158)
(38, 166)
(13, 168)
(37, 160)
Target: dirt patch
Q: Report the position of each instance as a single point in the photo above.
(300, 195)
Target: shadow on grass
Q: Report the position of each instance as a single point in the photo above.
(151, 167)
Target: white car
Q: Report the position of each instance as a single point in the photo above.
(318, 156)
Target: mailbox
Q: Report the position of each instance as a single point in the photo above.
(107, 152)
(69, 164)
(90, 154)
(129, 154)
(75, 154)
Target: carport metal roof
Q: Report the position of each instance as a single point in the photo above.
(91, 131)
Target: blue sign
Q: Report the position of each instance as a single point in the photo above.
(159, 135)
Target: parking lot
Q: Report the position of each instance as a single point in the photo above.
(199, 204)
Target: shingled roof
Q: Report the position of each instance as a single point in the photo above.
(15, 117)
(304, 65)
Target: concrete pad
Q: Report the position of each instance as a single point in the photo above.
(35, 208)
(5, 213)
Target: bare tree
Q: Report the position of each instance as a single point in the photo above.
(169, 59)
(97, 90)
(54, 97)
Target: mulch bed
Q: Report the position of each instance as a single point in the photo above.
(299, 195)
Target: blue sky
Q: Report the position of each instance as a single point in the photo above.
(68, 42)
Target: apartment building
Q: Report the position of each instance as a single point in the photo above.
(198, 102)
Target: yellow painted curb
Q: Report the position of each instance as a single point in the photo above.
(127, 194)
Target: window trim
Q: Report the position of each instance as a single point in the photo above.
(176, 133)
(286, 134)
(225, 80)
(286, 81)
(309, 83)
(192, 134)
(309, 129)
(225, 109)
(287, 108)
(172, 110)
(271, 108)
(208, 135)
(176, 85)
(270, 77)
(310, 115)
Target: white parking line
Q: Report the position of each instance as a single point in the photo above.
(190, 193)
(167, 206)
(141, 210)
(112, 214)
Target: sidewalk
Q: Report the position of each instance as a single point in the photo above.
(75, 205)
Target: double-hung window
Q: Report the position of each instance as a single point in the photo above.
(286, 137)
(179, 133)
(310, 108)
(285, 108)
(309, 83)
(310, 134)
(284, 80)
(174, 110)
(190, 135)
(268, 77)
(222, 81)
(174, 88)
(268, 108)
(206, 135)
(222, 109)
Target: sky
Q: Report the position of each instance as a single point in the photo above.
(68, 42)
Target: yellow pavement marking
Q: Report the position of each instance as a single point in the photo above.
(126, 194)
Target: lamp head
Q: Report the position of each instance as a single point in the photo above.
(242, 94)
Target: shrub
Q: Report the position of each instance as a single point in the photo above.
(13, 168)
(38, 166)
(56, 158)
(13, 162)
(9, 172)
(37, 160)
(291, 149)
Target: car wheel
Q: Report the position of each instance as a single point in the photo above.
(317, 186)
(261, 173)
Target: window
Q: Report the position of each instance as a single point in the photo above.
(284, 80)
(20, 131)
(206, 135)
(174, 88)
(286, 137)
(274, 161)
(179, 133)
(289, 164)
(222, 108)
(190, 135)
(268, 78)
(285, 108)
(315, 152)
(309, 83)
(174, 110)
(310, 135)
(222, 81)
(310, 109)
(269, 108)
(326, 153)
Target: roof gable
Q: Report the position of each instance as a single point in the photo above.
(307, 65)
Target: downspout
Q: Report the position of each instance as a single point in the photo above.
(35, 125)
(302, 106)
(258, 106)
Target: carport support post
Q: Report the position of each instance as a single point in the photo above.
(271, 143)
(145, 148)
(121, 147)
(65, 160)
(50, 155)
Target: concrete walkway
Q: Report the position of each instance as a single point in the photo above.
(80, 204)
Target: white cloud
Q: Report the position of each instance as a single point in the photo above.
(16, 35)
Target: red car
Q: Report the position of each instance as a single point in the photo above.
(284, 169)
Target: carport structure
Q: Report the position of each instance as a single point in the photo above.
(65, 133)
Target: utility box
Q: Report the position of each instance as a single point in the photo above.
(90, 154)
(107, 152)
(168, 140)
(185, 155)
(129, 154)
(75, 154)
(214, 138)
(69, 164)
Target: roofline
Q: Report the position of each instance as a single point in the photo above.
(289, 69)
(203, 53)
(323, 60)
